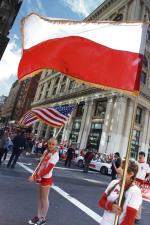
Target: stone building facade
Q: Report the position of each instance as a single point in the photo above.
(102, 118)
(19, 100)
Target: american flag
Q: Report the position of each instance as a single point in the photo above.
(54, 116)
(28, 119)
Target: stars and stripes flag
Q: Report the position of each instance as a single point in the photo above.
(28, 119)
(55, 116)
(104, 54)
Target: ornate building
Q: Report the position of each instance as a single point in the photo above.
(8, 12)
(102, 118)
(19, 100)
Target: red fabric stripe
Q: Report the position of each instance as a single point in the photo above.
(47, 115)
(85, 60)
(55, 113)
(49, 123)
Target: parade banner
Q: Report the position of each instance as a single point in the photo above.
(145, 189)
(104, 54)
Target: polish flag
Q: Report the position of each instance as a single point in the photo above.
(104, 54)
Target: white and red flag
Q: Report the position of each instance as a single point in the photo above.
(104, 54)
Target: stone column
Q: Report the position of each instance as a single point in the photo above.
(40, 129)
(145, 134)
(136, 10)
(118, 125)
(85, 124)
(47, 132)
(106, 126)
(125, 139)
(68, 127)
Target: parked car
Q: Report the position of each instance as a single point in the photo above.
(98, 164)
(79, 161)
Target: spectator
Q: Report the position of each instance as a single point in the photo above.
(2, 144)
(19, 144)
(70, 154)
(144, 175)
(116, 163)
(87, 159)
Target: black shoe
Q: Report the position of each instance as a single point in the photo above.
(41, 222)
(34, 220)
(137, 221)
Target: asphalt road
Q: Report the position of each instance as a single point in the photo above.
(73, 199)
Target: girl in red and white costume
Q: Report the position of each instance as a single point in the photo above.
(43, 176)
(131, 200)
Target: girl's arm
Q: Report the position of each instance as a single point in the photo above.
(129, 217)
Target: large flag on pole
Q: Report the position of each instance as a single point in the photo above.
(104, 54)
(55, 116)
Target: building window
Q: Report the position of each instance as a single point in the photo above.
(148, 156)
(75, 131)
(47, 90)
(80, 110)
(40, 95)
(138, 116)
(71, 85)
(143, 77)
(100, 109)
(55, 85)
(145, 61)
(148, 35)
(135, 143)
(63, 84)
(119, 17)
(94, 136)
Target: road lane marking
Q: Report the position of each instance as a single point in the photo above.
(63, 168)
(71, 199)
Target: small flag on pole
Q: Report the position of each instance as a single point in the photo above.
(54, 116)
(28, 119)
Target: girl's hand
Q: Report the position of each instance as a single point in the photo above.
(31, 179)
(116, 209)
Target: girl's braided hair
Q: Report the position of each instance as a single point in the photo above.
(132, 168)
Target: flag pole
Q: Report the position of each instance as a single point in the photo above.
(127, 156)
(56, 135)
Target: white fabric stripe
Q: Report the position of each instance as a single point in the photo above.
(120, 36)
(46, 118)
(30, 123)
(54, 110)
(53, 116)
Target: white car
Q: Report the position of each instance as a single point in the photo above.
(100, 165)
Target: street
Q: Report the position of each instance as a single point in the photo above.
(73, 199)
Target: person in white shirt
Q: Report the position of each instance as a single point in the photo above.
(131, 200)
(144, 175)
(43, 176)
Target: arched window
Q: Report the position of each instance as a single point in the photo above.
(118, 17)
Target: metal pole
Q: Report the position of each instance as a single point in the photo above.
(127, 156)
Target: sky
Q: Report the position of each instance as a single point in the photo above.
(67, 9)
